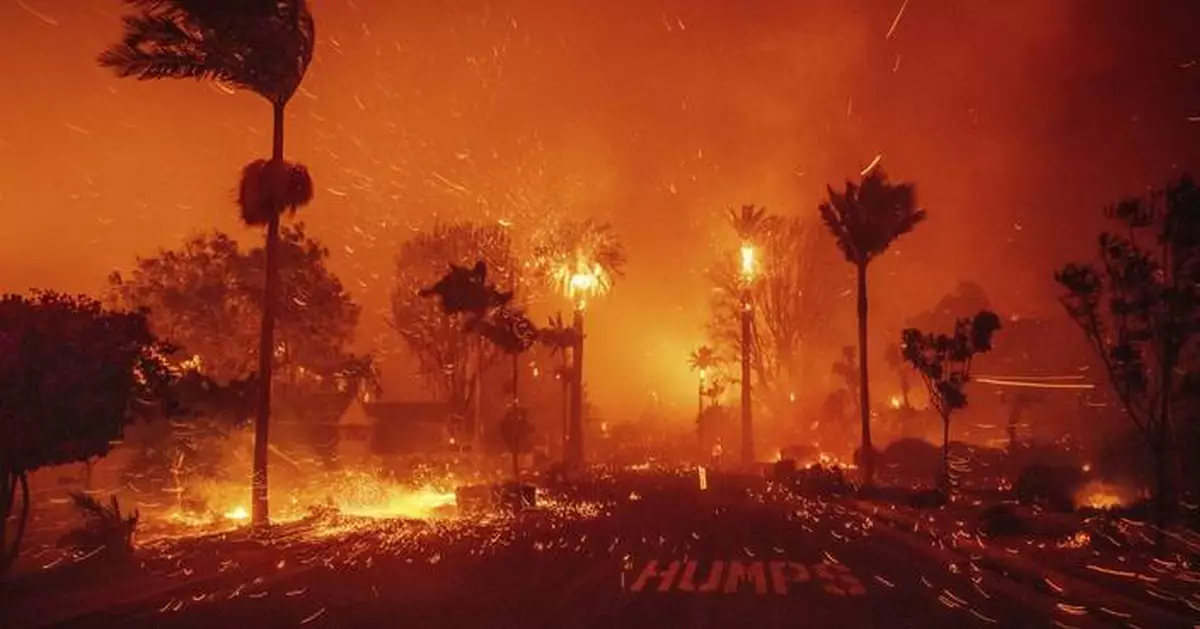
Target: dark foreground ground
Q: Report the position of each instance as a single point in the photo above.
(641, 550)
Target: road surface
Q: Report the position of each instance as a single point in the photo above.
(647, 550)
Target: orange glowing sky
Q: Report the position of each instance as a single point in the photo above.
(1017, 120)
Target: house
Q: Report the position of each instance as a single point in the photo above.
(369, 431)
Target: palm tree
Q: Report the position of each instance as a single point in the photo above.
(582, 258)
(749, 223)
(866, 219)
(703, 359)
(265, 47)
(561, 338)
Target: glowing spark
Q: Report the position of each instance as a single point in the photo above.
(872, 165)
(313, 617)
(35, 13)
(896, 21)
(1034, 385)
(1116, 573)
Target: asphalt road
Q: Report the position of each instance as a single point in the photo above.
(641, 551)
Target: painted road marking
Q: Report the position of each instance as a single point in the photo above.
(733, 576)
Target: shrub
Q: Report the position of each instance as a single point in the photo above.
(105, 530)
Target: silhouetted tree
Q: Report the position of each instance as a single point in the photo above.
(796, 299)
(435, 337)
(944, 362)
(560, 338)
(966, 297)
(509, 330)
(206, 296)
(263, 46)
(1139, 308)
(72, 376)
(865, 220)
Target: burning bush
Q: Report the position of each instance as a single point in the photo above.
(105, 530)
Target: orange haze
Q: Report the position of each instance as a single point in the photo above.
(1018, 120)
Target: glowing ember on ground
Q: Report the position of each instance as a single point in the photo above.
(396, 502)
(221, 505)
(237, 514)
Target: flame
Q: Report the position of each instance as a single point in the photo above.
(349, 493)
(896, 401)
(582, 280)
(1099, 495)
(1080, 539)
(747, 261)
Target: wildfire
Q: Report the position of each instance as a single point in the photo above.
(747, 267)
(1098, 495)
(826, 459)
(356, 494)
(582, 280)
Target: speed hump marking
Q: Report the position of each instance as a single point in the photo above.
(729, 577)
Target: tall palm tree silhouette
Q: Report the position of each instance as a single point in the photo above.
(561, 338)
(866, 219)
(265, 47)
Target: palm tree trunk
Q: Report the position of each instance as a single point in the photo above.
(566, 405)
(747, 419)
(946, 454)
(575, 438)
(864, 396)
(266, 346)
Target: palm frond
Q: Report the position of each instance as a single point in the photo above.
(748, 221)
(264, 46)
(867, 218)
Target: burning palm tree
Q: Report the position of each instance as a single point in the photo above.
(582, 259)
(703, 360)
(265, 47)
(749, 223)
